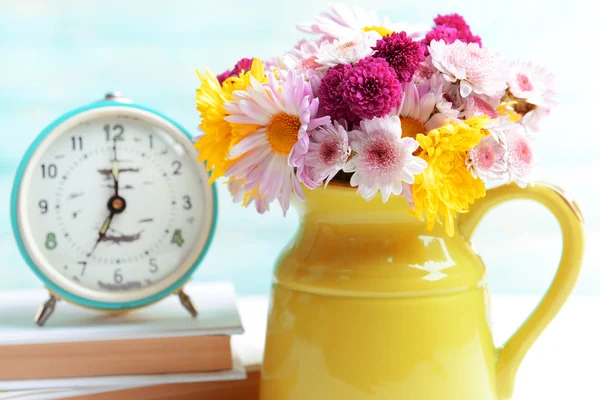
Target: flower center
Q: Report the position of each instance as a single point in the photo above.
(330, 152)
(309, 63)
(282, 132)
(524, 83)
(522, 151)
(410, 128)
(345, 48)
(381, 155)
(379, 29)
(486, 157)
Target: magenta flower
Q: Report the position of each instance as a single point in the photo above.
(402, 53)
(244, 65)
(371, 88)
(331, 94)
(450, 28)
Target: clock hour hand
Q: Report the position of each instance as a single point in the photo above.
(115, 167)
(115, 174)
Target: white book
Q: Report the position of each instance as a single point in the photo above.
(215, 302)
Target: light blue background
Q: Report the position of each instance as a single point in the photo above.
(57, 55)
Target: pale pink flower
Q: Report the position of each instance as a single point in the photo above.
(423, 107)
(327, 154)
(532, 83)
(284, 111)
(487, 161)
(477, 69)
(383, 161)
(533, 87)
(302, 59)
(519, 157)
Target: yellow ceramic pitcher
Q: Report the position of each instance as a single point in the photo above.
(369, 305)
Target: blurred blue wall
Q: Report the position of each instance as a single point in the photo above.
(56, 55)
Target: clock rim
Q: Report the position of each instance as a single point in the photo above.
(55, 288)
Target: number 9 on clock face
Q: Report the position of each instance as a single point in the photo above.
(110, 207)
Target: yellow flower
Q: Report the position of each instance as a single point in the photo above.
(219, 135)
(446, 187)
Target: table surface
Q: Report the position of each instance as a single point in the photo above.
(560, 365)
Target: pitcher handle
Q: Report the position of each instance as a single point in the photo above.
(510, 355)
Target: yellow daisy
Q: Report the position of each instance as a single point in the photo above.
(219, 135)
(446, 187)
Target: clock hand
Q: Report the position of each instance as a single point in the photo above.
(103, 230)
(115, 174)
(115, 167)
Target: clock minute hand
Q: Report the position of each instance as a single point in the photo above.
(102, 232)
(115, 174)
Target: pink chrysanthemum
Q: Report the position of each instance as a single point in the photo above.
(281, 114)
(327, 154)
(302, 59)
(450, 28)
(244, 65)
(477, 69)
(519, 157)
(487, 160)
(383, 161)
(402, 53)
(371, 88)
(331, 94)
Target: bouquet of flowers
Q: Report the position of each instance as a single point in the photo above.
(424, 112)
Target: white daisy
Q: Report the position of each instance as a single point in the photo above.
(383, 161)
(347, 50)
(342, 21)
(281, 114)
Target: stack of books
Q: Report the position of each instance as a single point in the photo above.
(158, 352)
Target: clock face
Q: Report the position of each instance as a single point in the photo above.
(113, 205)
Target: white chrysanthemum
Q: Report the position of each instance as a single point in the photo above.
(383, 161)
(532, 89)
(532, 83)
(327, 154)
(347, 50)
(302, 59)
(342, 21)
(519, 157)
(477, 69)
(487, 161)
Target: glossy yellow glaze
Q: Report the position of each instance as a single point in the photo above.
(369, 305)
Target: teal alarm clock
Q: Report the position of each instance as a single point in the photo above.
(111, 209)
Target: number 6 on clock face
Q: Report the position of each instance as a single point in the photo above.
(110, 207)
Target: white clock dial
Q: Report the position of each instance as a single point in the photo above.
(114, 205)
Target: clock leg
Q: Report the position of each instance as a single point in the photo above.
(46, 310)
(186, 302)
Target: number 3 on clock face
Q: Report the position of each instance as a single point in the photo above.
(110, 207)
